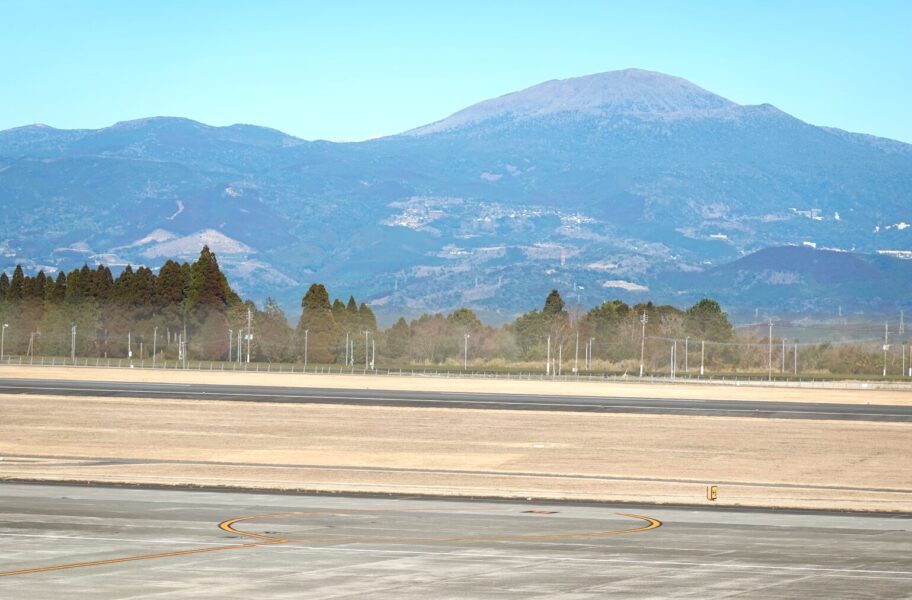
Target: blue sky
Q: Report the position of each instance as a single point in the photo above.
(353, 70)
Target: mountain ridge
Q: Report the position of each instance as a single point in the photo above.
(488, 214)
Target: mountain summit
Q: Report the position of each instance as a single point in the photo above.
(607, 185)
(630, 91)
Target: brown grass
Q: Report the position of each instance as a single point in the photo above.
(617, 457)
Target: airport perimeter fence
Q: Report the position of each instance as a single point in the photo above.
(341, 370)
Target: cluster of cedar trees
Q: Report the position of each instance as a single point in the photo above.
(140, 309)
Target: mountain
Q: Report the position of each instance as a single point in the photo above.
(610, 184)
(628, 92)
(801, 279)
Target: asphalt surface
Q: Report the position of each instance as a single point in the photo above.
(101, 543)
(711, 408)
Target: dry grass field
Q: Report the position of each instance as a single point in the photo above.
(588, 456)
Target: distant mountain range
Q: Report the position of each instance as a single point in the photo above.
(628, 184)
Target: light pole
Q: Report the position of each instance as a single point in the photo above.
(686, 340)
(886, 346)
(465, 356)
(770, 349)
(644, 319)
(576, 355)
(249, 335)
(306, 331)
(783, 355)
(591, 349)
(73, 344)
(366, 344)
(155, 342)
(702, 354)
(548, 363)
(3, 339)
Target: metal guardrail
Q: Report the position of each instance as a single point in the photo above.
(293, 368)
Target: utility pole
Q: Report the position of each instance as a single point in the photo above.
(183, 343)
(674, 358)
(686, 340)
(249, 333)
(644, 319)
(306, 331)
(886, 346)
(702, 354)
(3, 339)
(373, 353)
(155, 342)
(465, 355)
(548, 362)
(366, 344)
(783, 355)
(576, 356)
(73, 344)
(796, 359)
(771, 350)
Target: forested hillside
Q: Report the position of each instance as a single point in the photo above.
(141, 311)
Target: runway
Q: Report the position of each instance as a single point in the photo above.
(246, 393)
(97, 542)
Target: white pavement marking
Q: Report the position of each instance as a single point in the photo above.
(105, 539)
(647, 563)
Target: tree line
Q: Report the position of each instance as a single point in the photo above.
(190, 310)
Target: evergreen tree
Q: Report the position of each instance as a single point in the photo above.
(17, 284)
(4, 286)
(102, 284)
(317, 319)
(123, 292)
(366, 318)
(208, 288)
(706, 320)
(169, 285)
(554, 304)
(339, 314)
(397, 339)
(57, 294)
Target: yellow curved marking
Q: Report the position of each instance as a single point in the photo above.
(229, 527)
(225, 526)
(268, 540)
(651, 523)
